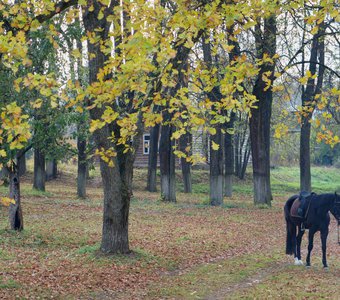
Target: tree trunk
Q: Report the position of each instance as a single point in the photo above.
(305, 171)
(245, 160)
(115, 234)
(260, 145)
(167, 164)
(216, 170)
(261, 116)
(184, 142)
(82, 168)
(51, 170)
(308, 105)
(21, 162)
(116, 192)
(153, 156)
(216, 156)
(39, 170)
(15, 213)
(229, 159)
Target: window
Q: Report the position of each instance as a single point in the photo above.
(146, 144)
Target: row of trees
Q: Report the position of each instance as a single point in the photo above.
(177, 67)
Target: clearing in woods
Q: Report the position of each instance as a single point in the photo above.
(186, 250)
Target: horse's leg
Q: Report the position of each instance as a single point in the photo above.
(310, 245)
(324, 234)
(298, 245)
(294, 244)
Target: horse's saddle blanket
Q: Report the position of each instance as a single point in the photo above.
(294, 209)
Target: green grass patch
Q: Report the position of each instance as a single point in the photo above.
(8, 284)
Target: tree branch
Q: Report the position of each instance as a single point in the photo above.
(59, 7)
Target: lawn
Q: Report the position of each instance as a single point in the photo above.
(186, 250)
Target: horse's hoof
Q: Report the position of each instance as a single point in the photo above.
(297, 262)
(301, 263)
(308, 266)
(326, 268)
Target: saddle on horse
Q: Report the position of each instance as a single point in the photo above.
(301, 204)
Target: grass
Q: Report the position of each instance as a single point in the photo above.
(9, 284)
(183, 250)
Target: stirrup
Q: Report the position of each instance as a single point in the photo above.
(303, 226)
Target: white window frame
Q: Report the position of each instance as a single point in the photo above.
(146, 144)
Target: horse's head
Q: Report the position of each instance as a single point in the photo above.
(336, 208)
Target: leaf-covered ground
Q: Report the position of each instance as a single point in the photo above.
(186, 250)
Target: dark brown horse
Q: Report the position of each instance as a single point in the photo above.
(317, 218)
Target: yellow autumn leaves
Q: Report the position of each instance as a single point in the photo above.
(5, 201)
(14, 130)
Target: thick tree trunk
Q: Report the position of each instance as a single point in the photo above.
(15, 213)
(167, 164)
(261, 116)
(260, 145)
(39, 170)
(184, 142)
(153, 156)
(216, 170)
(115, 234)
(116, 191)
(82, 168)
(229, 159)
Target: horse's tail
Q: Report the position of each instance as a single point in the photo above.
(289, 239)
(289, 227)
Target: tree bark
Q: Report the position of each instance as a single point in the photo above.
(229, 161)
(184, 142)
(260, 144)
(167, 163)
(152, 160)
(216, 156)
(216, 170)
(261, 116)
(15, 212)
(82, 168)
(21, 162)
(51, 169)
(117, 191)
(39, 170)
(308, 95)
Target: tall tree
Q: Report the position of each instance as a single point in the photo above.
(317, 58)
(265, 39)
(216, 152)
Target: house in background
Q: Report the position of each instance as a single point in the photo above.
(200, 147)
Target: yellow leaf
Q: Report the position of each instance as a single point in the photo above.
(54, 104)
(212, 131)
(215, 146)
(3, 153)
(37, 103)
(6, 201)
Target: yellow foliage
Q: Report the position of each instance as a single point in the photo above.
(5, 201)
(281, 130)
(215, 146)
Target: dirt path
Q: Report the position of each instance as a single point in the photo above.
(248, 282)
